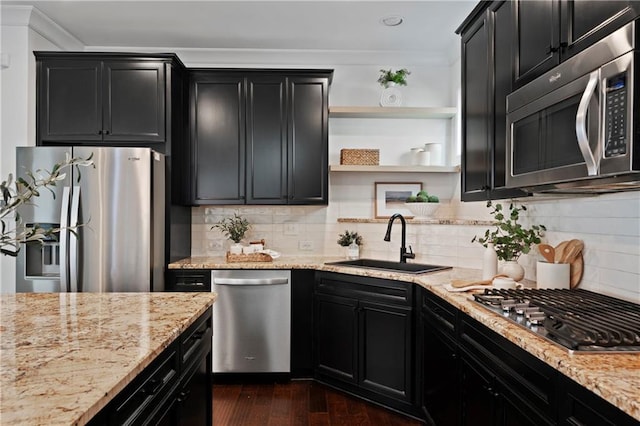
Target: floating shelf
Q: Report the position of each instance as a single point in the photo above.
(394, 169)
(391, 112)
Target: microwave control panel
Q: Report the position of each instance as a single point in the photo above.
(616, 116)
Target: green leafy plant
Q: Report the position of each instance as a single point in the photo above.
(348, 237)
(22, 192)
(398, 77)
(422, 197)
(234, 227)
(510, 238)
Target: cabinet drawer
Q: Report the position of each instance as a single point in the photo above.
(522, 373)
(195, 340)
(189, 280)
(365, 288)
(439, 313)
(135, 403)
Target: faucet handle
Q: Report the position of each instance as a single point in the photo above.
(410, 255)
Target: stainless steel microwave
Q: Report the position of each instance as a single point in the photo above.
(575, 128)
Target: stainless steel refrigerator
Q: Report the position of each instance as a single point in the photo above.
(119, 205)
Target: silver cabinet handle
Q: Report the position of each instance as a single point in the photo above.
(581, 125)
(250, 281)
(64, 240)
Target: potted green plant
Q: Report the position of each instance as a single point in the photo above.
(388, 77)
(352, 241)
(422, 204)
(510, 238)
(234, 228)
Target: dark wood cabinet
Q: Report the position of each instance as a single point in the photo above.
(259, 137)
(302, 282)
(439, 359)
(175, 389)
(105, 99)
(188, 280)
(487, 79)
(217, 135)
(364, 338)
(552, 31)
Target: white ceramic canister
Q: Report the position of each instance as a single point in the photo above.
(434, 149)
(489, 262)
(553, 275)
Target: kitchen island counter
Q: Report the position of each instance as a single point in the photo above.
(614, 377)
(64, 356)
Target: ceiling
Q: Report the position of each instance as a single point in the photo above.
(309, 26)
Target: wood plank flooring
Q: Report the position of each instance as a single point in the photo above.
(296, 403)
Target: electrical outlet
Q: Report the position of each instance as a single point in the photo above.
(306, 245)
(291, 229)
(216, 245)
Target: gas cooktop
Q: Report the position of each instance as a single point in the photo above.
(579, 320)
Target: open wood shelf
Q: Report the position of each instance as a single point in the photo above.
(394, 169)
(391, 112)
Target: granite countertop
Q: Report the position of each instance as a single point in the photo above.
(64, 356)
(614, 377)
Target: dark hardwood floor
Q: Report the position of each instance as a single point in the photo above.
(299, 402)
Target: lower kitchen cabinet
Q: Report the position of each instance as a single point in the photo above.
(440, 389)
(302, 323)
(175, 389)
(364, 338)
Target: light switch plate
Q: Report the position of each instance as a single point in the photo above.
(305, 245)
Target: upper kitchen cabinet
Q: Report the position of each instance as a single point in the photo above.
(259, 136)
(107, 99)
(486, 81)
(549, 32)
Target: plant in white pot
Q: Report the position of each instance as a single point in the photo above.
(391, 96)
(234, 228)
(510, 238)
(352, 241)
(422, 204)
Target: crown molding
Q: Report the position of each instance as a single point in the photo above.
(29, 16)
(282, 58)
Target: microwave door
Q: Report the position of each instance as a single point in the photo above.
(543, 145)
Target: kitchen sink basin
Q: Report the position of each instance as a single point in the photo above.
(387, 265)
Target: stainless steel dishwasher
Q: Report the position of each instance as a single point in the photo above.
(252, 321)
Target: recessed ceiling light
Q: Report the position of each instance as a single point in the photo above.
(392, 20)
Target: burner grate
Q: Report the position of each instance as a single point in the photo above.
(578, 319)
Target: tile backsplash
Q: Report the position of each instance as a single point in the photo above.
(609, 225)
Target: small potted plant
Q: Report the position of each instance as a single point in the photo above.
(234, 228)
(388, 78)
(422, 204)
(352, 241)
(510, 238)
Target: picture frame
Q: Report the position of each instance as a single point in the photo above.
(390, 198)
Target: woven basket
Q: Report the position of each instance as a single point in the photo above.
(360, 157)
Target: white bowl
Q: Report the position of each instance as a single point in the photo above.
(422, 209)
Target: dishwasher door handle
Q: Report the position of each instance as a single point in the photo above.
(250, 281)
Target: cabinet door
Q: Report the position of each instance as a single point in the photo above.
(302, 281)
(585, 22)
(476, 111)
(217, 121)
(195, 395)
(69, 101)
(134, 101)
(308, 140)
(336, 337)
(512, 411)
(386, 349)
(478, 396)
(266, 140)
(537, 43)
(440, 377)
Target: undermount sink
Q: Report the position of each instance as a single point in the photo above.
(387, 265)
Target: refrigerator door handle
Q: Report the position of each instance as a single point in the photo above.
(64, 240)
(73, 239)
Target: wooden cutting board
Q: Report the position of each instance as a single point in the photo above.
(576, 269)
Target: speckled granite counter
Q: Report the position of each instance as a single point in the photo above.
(614, 377)
(64, 356)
